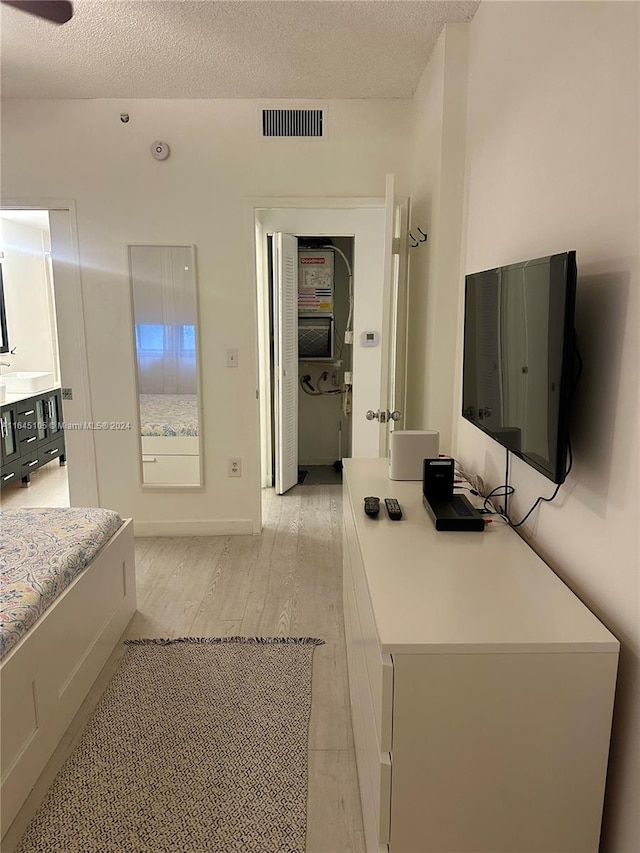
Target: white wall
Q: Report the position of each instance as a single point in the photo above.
(29, 298)
(437, 195)
(81, 150)
(552, 165)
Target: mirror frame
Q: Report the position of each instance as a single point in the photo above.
(164, 487)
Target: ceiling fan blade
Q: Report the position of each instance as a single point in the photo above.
(56, 11)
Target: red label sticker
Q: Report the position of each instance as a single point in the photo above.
(313, 260)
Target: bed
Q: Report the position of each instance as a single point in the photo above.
(170, 442)
(169, 415)
(68, 593)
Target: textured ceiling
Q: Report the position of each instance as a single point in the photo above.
(215, 49)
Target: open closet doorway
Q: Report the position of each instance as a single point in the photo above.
(46, 350)
(311, 328)
(363, 224)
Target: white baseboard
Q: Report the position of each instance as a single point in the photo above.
(225, 527)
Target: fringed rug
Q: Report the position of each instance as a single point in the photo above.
(197, 746)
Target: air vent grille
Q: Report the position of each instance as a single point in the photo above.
(292, 122)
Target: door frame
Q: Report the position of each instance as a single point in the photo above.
(259, 275)
(73, 356)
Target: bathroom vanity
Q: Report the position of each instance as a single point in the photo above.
(31, 434)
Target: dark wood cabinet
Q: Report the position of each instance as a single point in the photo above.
(9, 444)
(31, 434)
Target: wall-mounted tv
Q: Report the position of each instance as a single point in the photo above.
(519, 357)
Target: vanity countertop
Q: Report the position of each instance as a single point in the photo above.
(24, 395)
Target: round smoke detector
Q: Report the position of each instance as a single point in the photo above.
(160, 150)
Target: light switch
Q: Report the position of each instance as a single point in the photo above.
(232, 358)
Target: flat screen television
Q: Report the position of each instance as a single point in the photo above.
(519, 358)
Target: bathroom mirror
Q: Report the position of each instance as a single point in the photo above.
(4, 335)
(163, 291)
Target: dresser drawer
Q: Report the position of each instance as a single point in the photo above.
(379, 667)
(26, 411)
(29, 464)
(165, 468)
(374, 765)
(26, 422)
(27, 439)
(10, 473)
(50, 451)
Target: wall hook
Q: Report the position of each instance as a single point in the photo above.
(415, 243)
(425, 236)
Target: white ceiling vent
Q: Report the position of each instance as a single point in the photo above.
(292, 122)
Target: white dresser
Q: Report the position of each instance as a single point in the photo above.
(481, 687)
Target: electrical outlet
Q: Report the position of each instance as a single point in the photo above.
(235, 468)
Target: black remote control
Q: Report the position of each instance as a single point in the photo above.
(372, 506)
(393, 508)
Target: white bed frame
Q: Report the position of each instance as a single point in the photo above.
(47, 675)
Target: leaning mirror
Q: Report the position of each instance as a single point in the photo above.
(163, 290)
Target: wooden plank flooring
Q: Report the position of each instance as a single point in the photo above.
(285, 582)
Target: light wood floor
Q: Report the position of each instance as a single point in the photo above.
(285, 582)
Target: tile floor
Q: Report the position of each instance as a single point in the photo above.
(49, 487)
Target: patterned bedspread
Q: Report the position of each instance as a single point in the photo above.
(168, 414)
(41, 552)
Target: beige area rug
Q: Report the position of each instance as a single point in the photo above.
(197, 745)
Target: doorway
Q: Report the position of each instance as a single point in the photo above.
(324, 308)
(360, 229)
(50, 341)
(32, 357)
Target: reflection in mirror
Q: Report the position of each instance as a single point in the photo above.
(163, 286)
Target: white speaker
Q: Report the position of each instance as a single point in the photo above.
(408, 448)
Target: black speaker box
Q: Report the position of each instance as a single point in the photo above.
(437, 481)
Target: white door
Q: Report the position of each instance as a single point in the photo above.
(390, 413)
(285, 312)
